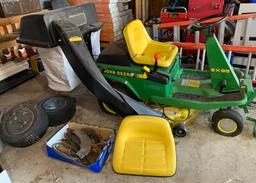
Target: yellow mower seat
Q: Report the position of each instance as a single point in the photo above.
(142, 48)
(144, 146)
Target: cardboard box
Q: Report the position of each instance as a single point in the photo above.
(114, 17)
(9, 8)
(17, 7)
(114, 13)
(29, 6)
(114, 7)
(107, 134)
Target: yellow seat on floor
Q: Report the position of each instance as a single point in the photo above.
(144, 146)
(142, 48)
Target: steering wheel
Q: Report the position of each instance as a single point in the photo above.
(196, 26)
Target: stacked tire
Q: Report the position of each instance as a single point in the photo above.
(26, 123)
(60, 109)
(23, 124)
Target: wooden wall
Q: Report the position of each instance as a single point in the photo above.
(155, 7)
(144, 9)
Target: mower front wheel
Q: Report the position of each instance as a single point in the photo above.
(227, 122)
(180, 130)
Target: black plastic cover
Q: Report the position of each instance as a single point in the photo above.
(116, 54)
(55, 29)
(36, 30)
(84, 66)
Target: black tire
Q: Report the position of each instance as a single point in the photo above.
(180, 130)
(223, 118)
(23, 124)
(60, 109)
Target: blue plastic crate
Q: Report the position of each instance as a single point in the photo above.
(98, 165)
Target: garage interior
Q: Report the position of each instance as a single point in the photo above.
(79, 101)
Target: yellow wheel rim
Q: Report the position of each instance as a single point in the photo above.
(180, 115)
(108, 109)
(176, 114)
(227, 126)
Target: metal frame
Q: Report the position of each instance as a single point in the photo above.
(250, 50)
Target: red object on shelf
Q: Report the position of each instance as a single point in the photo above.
(201, 9)
(191, 39)
(196, 9)
(174, 15)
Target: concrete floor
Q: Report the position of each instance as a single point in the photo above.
(202, 156)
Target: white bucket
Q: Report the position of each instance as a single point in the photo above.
(59, 73)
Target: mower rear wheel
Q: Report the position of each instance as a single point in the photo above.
(227, 122)
(122, 88)
(106, 108)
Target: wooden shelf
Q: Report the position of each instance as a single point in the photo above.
(11, 68)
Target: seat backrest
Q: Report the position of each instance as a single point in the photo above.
(136, 37)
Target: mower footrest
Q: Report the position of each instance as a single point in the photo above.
(226, 97)
(195, 77)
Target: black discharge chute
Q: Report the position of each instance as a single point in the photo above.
(55, 29)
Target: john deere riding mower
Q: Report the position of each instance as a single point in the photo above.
(139, 71)
(151, 73)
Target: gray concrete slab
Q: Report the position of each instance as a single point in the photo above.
(202, 156)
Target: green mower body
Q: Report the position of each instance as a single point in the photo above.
(219, 87)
